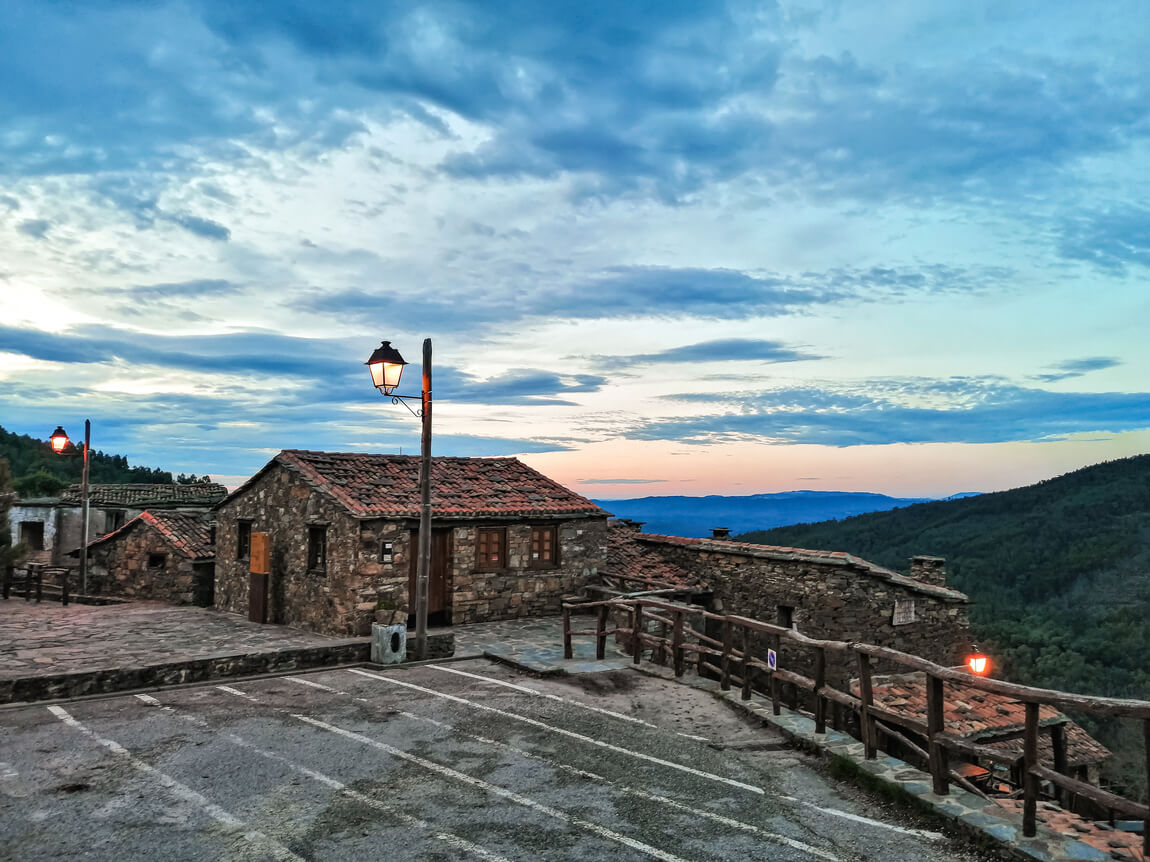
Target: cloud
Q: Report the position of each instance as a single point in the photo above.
(955, 410)
(200, 226)
(1077, 367)
(621, 481)
(35, 228)
(718, 350)
(1111, 239)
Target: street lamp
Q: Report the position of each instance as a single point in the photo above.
(59, 442)
(978, 662)
(386, 366)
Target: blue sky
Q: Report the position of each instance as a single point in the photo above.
(680, 247)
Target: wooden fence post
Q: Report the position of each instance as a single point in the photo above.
(820, 681)
(725, 662)
(748, 637)
(637, 633)
(567, 653)
(677, 643)
(6, 577)
(1029, 779)
(776, 706)
(1058, 745)
(866, 698)
(700, 656)
(601, 632)
(64, 588)
(936, 724)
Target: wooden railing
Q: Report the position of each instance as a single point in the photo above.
(31, 579)
(734, 658)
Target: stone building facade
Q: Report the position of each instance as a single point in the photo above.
(51, 527)
(825, 595)
(160, 556)
(507, 541)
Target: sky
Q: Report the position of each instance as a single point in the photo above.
(660, 248)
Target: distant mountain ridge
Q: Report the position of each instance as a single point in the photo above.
(1059, 573)
(696, 516)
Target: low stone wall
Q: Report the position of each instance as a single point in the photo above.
(68, 685)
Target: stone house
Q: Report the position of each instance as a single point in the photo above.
(825, 594)
(507, 541)
(51, 527)
(162, 556)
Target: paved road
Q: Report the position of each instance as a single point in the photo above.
(468, 760)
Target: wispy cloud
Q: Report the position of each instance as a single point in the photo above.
(1071, 368)
(717, 350)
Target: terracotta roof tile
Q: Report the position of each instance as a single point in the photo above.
(190, 535)
(627, 557)
(831, 558)
(1118, 844)
(143, 496)
(982, 716)
(387, 486)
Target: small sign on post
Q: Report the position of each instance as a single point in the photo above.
(772, 660)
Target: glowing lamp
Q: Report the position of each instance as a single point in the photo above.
(978, 663)
(59, 440)
(386, 366)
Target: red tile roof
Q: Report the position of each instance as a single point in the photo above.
(628, 558)
(189, 535)
(142, 496)
(984, 717)
(830, 558)
(387, 486)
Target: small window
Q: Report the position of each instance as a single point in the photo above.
(32, 534)
(243, 539)
(386, 552)
(492, 548)
(157, 561)
(113, 520)
(544, 548)
(316, 549)
(786, 617)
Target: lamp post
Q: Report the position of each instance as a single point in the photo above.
(59, 442)
(386, 366)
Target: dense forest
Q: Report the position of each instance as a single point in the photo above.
(37, 471)
(1058, 572)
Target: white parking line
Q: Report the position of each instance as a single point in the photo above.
(503, 792)
(569, 733)
(448, 838)
(694, 810)
(236, 692)
(233, 823)
(921, 833)
(567, 700)
(494, 789)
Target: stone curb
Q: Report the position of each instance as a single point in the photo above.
(899, 780)
(200, 669)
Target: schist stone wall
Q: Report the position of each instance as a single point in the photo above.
(835, 602)
(518, 590)
(369, 563)
(141, 565)
(284, 506)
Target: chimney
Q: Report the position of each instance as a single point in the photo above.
(929, 570)
(720, 532)
(633, 526)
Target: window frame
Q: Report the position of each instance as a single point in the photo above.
(36, 527)
(482, 564)
(152, 557)
(317, 549)
(114, 519)
(540, 530)
(243, 539)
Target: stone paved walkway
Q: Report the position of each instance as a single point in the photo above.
(537, 645)
(49, 639)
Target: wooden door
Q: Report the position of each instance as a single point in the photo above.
(438, 576)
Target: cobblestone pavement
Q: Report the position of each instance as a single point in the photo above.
(49, 639)
(537, 645)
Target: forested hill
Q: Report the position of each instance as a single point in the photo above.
(38, 471)
(1059, 572)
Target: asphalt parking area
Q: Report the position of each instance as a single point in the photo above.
(468, 760)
